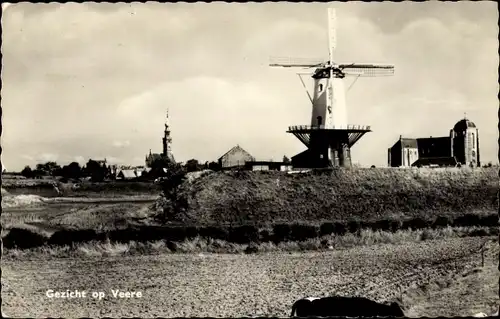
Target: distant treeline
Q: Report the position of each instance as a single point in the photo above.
(97, 171)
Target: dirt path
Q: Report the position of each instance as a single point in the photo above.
(227, 285)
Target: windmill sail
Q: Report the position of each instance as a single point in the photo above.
(295, 62)
(367, 70)
(332, 33)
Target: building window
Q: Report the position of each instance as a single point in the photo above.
(320, 88)
(473, 141)
(320, 120)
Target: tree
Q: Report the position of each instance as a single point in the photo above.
(158, 165)
(49, 167)
(214, 166)
(173, 178)
(286, 160)
(192, 166)
(96, 172)
(73, 170)
(27, 172)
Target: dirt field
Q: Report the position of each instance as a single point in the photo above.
(249, 285)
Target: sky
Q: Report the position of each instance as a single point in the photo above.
(94, 80)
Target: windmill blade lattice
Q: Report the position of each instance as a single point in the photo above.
(367, 70)
(295, 62)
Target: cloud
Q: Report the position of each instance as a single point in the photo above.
(27, 157)
(220, 115)
(121, 144)
(47, 157)
(113, 160)
(79, 159)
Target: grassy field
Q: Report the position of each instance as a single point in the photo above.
(338, 195)
(45, 188)
(251, 285)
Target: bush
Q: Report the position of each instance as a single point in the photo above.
(125, 235)
(479, 233)
(353, 226)
(442, 221)
(467, 220)
(265, 235)
(70, 237)
(191, 232)
(253, 248)
(302, 232)
(340, 229)
(176, 233)
(243, 234)
(384, 224)
(327, 229)
(489, 220)
(396, 225)
(214, 232)
(415, 223)
(281, 232)
(23, 239)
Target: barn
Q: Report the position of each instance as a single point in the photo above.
(236, 157)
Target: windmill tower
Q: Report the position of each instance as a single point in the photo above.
(329, 138)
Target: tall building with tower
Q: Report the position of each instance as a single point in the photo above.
(461, 147)
(167, 141)
(167, 147)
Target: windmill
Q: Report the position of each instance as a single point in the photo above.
(329, 138)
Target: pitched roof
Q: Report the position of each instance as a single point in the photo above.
(128, 173)
(233, 149)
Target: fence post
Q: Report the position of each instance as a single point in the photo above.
(482, 256)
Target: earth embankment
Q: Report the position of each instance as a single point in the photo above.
(355, 194)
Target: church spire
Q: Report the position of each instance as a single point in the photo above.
(167, 140)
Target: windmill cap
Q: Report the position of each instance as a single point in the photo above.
(464, 124)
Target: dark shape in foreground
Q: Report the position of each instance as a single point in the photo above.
(23, 239)
(344, 307)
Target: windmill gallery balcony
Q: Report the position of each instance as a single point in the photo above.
(352, 132)
(306, 128)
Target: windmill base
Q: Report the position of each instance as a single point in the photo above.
(326, 147)
(312, 159)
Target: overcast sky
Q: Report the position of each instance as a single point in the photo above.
(84, 81)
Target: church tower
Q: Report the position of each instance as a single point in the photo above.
(167, 141)
(465, 143)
